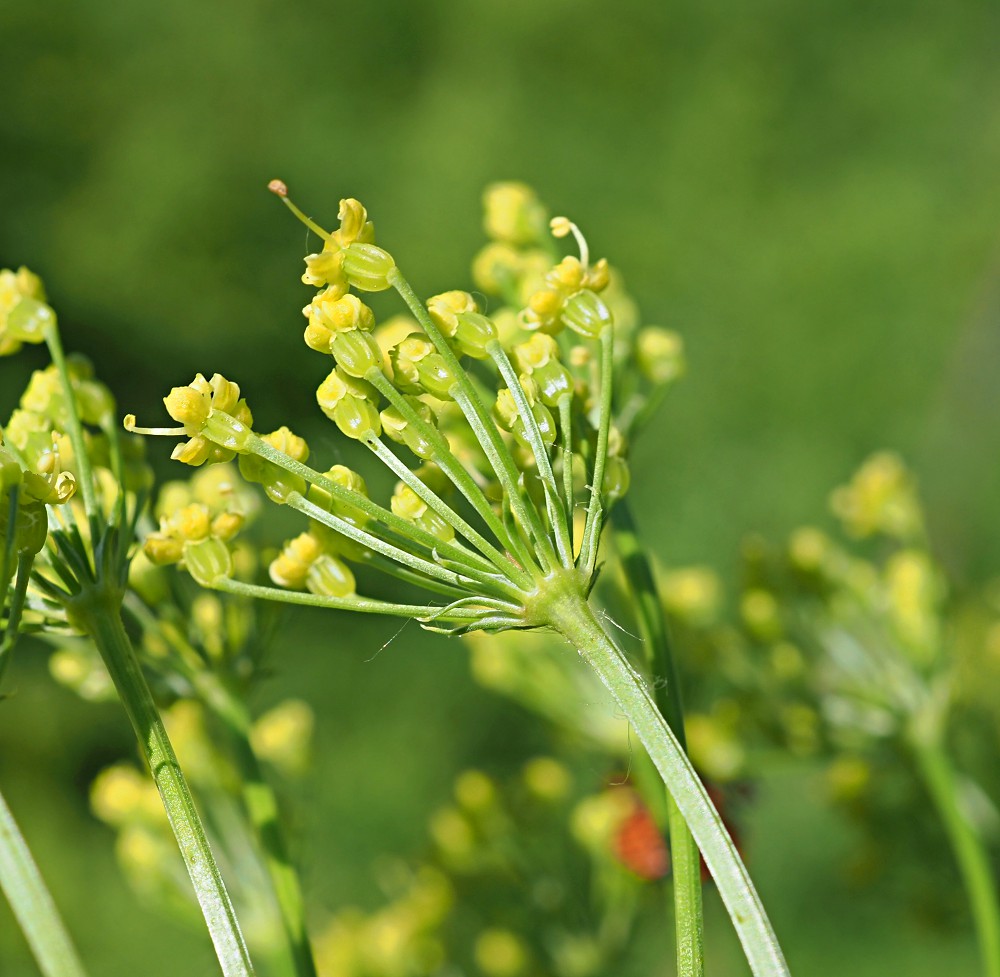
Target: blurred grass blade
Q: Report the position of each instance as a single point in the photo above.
(32, 904)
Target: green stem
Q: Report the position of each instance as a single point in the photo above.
(569, 613)
(595, 511)
(688, 916)
(364, 604)
(543, 463)
(973, 861)
(109, 635)
(454, 469)
(478, 417)
(262, 810)
(32, 904)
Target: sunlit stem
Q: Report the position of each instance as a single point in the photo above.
(259, 799)
(478, 417)
(363, 604)
(435, 502)
(570, 614)
(355, 500)
(595, 511)
(93, 613)
(460, 478)
(296, 501)
(566, 433)
(644, 598)
(556, 518)
(973, 859)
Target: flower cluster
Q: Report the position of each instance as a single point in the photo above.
(499, 427)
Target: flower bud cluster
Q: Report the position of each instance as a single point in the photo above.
(350, 256)
(198, 521)
(516, 437)
(24, 314)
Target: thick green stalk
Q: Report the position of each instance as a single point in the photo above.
(973, 862)
(569, 613)
(262, 810)
(32, 904)
(688, 917)
(105, 628)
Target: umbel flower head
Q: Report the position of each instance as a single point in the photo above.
(499, 426)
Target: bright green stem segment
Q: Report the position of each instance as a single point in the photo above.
(973, 861)
(688, 916)
(570, 614)
(262, 810)
(119, 656)
(33, 907)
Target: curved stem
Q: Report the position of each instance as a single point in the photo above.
(109, 635)
(542, 461)
(641, 585)
(595, 511)
(366, 605)
(973, 862)
(570, 614)
(262, 810)
(32, 904)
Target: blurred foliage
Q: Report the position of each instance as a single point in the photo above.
(806, 192)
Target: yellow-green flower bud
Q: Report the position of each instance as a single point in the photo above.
(509, 417)
(403, 432)
(326, 267)
(208, 560)
(472, 332)
(291, 567)
(659, 354)
(408, 505)
(190, 523)
(354, 223)
(445, 308)
(366, 267)
(616, 479)
(544, 311)
(538, 357)
(500, 953)
(356, 352)
(496, 268)
(190, 405)
(348, 402)
(418, 368)
(330, 577)
(513, 214)
(10, 470)
(586, 314)
(226, 525)
(288, 443)
(28, 320)
(16, 288)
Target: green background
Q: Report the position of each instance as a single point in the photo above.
(807, 191)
